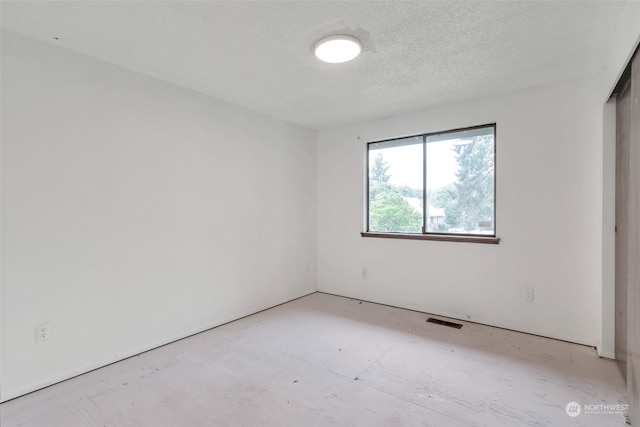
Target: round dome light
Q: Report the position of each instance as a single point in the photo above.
(336, 49)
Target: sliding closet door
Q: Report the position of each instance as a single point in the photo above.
(633, 291)
(623, 127)
(628, 236)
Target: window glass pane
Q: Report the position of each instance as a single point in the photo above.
(396, 186)
(460, 182)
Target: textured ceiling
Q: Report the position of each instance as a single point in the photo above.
(259, 54)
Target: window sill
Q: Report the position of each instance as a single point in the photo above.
(439, 237)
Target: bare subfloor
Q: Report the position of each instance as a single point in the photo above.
(324, 360)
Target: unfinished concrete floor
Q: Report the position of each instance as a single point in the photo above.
(324, 360)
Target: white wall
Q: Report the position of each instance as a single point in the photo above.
(135, 212)
(548, 217)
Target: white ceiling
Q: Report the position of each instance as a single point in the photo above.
(416, 54)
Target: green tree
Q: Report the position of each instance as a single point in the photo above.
(447, 198)
(475, 182)
(407, 191)
(379, 170)
(390, 212)
(378, 178)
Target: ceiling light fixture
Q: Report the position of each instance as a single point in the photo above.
(337, 49)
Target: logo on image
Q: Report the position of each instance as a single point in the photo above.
(573, 409)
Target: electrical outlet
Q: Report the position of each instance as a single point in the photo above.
(528, 295)
(43, 332)
(365, 273)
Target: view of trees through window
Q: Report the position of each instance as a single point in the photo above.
(457, 169)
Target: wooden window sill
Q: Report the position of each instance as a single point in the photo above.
(440, 237)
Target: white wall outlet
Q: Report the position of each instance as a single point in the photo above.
(527, 295)
(43, 332)
(365, 273)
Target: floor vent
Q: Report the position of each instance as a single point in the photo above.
(444, 323)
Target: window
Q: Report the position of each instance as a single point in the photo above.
(433, 185)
